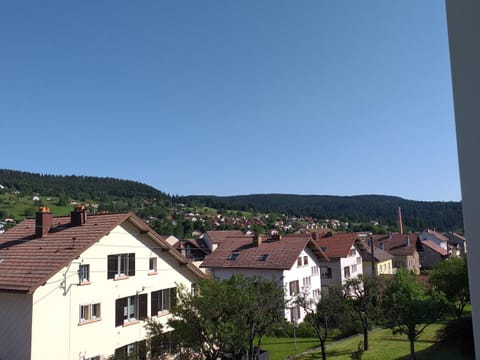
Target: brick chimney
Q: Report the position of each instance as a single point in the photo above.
(78, 216)
(43, 221)
(400, 222)
(257, 240)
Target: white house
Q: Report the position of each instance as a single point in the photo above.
(78, 287)
(292, 260)
(345, 258)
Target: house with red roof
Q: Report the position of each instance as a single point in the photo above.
(291, 260)
(345, 259)
(403, 247)
(80, 286)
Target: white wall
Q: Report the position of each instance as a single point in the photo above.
(57, 333)
(15, 326)
(463, 17)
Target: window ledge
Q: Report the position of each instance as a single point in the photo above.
(86, 282)
(163, 313)
(122, 277)
(131, 322)
(85, 322)
(150, 273)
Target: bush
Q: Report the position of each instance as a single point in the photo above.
(459, 334)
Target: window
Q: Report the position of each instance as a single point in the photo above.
(163, 301)
(90, 312)
(305, 260)
(315, 270)
(152, 265)
(346, 272)
(233, 256)
(359, 260)
(294, 287)
(352, 252)
(307, 282)
(130, 308)
(295, 313)
(299, 261)
(316, 293)
(263, 257)
(84, 274)
(121, 265)
(354, 268)
(136, 350)
(325, 272)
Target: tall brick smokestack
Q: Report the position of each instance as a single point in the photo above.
(400, 224)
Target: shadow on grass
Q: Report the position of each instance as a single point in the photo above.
(440, 352)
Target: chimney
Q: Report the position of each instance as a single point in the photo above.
(400, 223)
(257, 240)
(43, 221)
(78, 216)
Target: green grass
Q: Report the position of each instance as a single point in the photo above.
(383, 346)
(281, 348)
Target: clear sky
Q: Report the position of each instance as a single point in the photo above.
(232, 97)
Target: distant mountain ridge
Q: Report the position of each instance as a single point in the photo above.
(121, 195)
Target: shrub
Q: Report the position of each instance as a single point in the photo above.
(459, 334)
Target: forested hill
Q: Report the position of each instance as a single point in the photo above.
(77, 187)
(416, 214)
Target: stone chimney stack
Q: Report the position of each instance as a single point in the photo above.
(78, 216)
(43, 221)
(257, 240)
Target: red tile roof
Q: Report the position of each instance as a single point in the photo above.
(337, 245)
(218, 236)
(397, 244)
(270, 254)
(27, 261)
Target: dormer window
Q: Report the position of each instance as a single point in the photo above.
(233, 256)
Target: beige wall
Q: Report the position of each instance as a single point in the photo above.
(15, 326)
(57, 333)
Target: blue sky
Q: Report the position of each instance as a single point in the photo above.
(232, 97)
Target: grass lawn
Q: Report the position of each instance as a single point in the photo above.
(383, 346)
(281, 348)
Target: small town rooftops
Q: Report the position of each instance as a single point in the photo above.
(336, 245)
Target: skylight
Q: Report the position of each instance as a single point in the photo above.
(233, 256)
(263, 257)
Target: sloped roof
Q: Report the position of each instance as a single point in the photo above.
(27, 261)
(397, 244)
(270, 254)
(218, 236)
(379, 254)
(337, 245)
(432, 245)
(455, 238)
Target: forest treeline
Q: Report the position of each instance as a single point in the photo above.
(111, 192)
(416, 215)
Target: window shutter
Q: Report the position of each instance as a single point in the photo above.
(154, 305)
(112, 266)
(119, 305)
(173, 297)
(131, 264)
(142, 306)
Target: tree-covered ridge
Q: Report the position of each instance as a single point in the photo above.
(362, 208)
(77, 187)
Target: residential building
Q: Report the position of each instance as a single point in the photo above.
(211, 239)
(403, 247)
(457, 243)
(80, 286)
(345, 258)
(431, 253)
(292, 260)
(381, 260)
